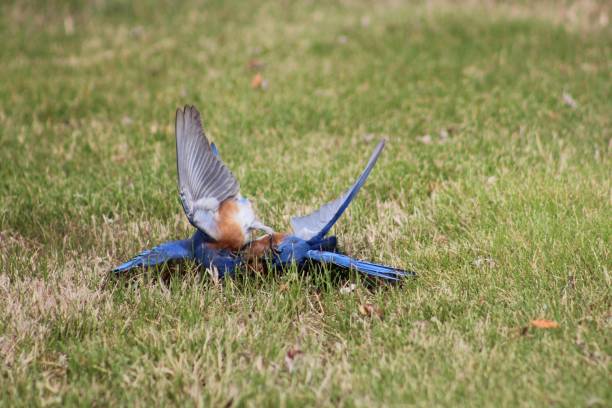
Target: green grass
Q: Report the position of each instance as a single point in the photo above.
(507, 220)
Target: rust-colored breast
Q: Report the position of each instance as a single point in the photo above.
(231, 235)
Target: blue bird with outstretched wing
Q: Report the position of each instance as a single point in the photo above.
(210, 195)
(224, 220)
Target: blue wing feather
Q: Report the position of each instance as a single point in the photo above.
(169, 251)
(368, 268)
(314, 226)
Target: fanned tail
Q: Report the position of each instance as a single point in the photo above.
(368, 268)
(169, 251)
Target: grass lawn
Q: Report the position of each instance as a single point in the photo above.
(494, 186)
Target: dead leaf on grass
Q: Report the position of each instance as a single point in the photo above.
(258, 82)
(544, 324)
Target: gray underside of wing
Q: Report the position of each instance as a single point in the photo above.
(321, 221)
(308, 226)
(204, 181)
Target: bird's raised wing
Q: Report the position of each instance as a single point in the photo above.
(204, 181)
(315, 225)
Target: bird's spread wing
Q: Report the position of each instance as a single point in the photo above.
(316, 225)
(204, 181)
(161, 254)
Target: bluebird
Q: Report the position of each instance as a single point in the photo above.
(224, 220)
(308, 243)
(210, 196)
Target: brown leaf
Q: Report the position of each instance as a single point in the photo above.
(258, 82)
(544, 324)
(368, 309)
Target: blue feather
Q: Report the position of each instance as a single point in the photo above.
(169, 251)
(368, 268)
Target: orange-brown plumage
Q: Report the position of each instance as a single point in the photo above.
(231, 235)
(256, 252)
(261, 246)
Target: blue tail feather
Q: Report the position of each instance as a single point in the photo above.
(169, 251)
(368, 268)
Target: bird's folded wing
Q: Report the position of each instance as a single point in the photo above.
(204, 181)
(317, 224)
